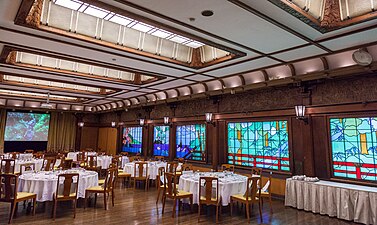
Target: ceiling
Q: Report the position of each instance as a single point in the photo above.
(277, 49)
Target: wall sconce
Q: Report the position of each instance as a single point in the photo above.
(300, 113)
(166, 121)
(209, 119)
(113, 124)
(142, 123)
(80, 124)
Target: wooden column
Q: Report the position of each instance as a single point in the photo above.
(172, 139)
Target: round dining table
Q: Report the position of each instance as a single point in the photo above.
(44, 183)
(73, 155)
(37, 164)
(152, 168)
(229, 184)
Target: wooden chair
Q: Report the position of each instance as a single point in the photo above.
(251, 196)
(227, 167)
(60, 157)
(171, 191)
(159, 158)
(256, 171)
(91, 164)
(105, 189)
(171, 167)
(124, 153)
(66, 191)
(82, 158)
(209, 198)
(9, 193)
(266, 192)
(123, 175)
(29, 151)
(48, 164)
(181, 160)
(15, 155)
(67, 164)
(187, 167)
(139, 174)
(159, 182)
(27, 167)
(38, 155)
(7, 166)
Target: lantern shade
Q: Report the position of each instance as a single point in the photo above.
(113, 124)
(166, 120)
(300, 111)
(142, 122)
(80, 124)
(208, 117)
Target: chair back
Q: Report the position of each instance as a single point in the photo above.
(15, 155)
(67, 164)
(139, 170)
(267, 185)
(67, 186)
(117, 160)
(110, 179)
(7, 166)
(38, 155)
(208, 197)
(181, 160)
(161, 173)
(124, 153)
(227, 167)
(91, 161)
(27, 167)
(256, 171)
(170, 184)
(9, 185)
(171, 167)
(28, 151)
(82, 156)
(159, 158)
(252, 190)
(187, 167)
(48, 163)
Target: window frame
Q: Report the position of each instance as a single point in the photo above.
(329, 146)
(206, 140)
(142, 138)
(264, 119)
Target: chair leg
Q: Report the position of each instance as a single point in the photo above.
(158, 195)
(134, 183)
(199, 209)
(13, 206)
(86, 199)
(247, 208)
(163, 203)
(191, 203)
(231, 206)
(74, 208)
(270, 204)
(260, 212)
(112, 197)
(54, 210)
(95, 200)
(217, 214)
(105, 200)
(174, 207)
(34, 205)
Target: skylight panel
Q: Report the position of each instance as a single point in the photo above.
(71, 4)
(179, 39)
(121, 20)
(142, 27)
(97, 12)
(194, 44)
(161, 33)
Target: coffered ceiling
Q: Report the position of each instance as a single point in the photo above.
(246, 44)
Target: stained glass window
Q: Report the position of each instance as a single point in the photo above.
(161, 140)
(132, 139)
(259, 144)
(191, 142)
(354, 147)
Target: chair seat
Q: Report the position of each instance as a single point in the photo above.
(25, 195)
(202, 198)
(95, 188)
(120, 171)
(70, 195)
(141, 178)
(123, 175)
(183, 193)
(242, 197)
(264, 193)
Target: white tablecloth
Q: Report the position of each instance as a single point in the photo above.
(37, 163)
(104, 161)
(73, 155)
(125, 160)
(21, 156)
(229, 184)
(44, 183)
(345, 201)
(152, 169)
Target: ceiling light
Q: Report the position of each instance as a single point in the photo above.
(207, 13)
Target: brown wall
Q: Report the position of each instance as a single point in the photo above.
(309, 143)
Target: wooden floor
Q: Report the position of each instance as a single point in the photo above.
(139, 207)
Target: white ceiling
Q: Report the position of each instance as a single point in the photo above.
(269, 30)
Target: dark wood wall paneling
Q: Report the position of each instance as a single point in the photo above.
(309, 143)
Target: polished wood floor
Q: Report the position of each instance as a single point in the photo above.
(139, 207)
